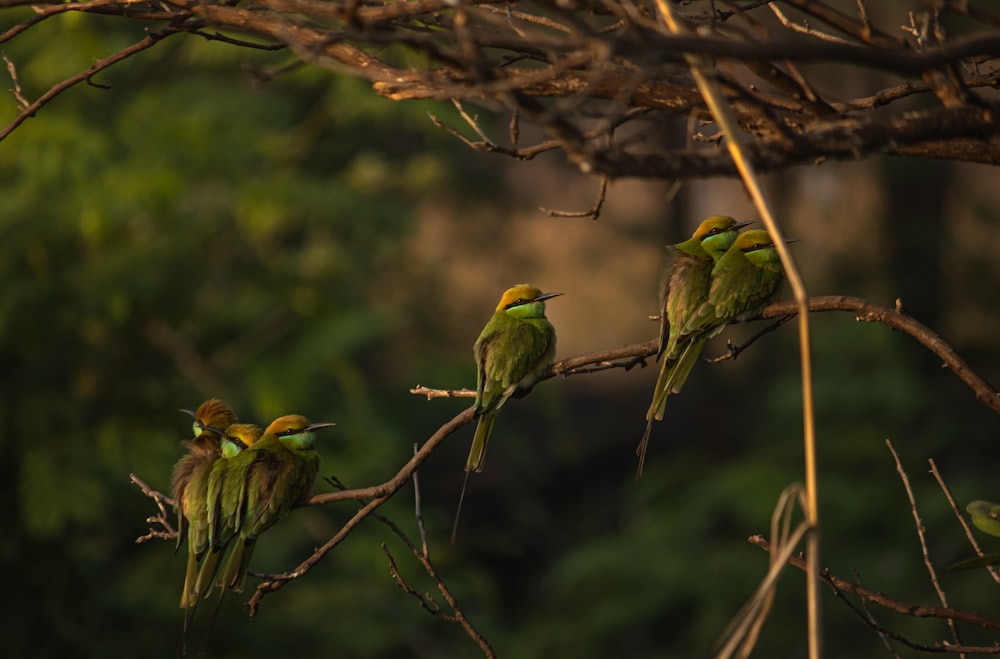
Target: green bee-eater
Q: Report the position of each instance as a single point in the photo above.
(190, 476)
(516, 346)
(685, 288)
(985, 515)
(225, 482)
(744, 280)
(277, 471)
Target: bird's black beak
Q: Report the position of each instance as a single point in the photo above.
(740, 225)
(314, 426)
(188, 412)
(546, 296)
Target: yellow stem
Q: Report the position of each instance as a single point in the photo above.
(724, 116)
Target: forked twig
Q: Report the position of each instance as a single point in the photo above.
(163, 502)
(595, 210)
(993, 569)
(923, 540)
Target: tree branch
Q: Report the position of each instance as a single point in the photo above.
(896, 319)
(906, 608)
(577, 77)
(151, 40)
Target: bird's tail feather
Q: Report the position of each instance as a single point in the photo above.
(477, 454)
(235, 574)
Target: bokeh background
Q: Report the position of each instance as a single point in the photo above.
(293, 243)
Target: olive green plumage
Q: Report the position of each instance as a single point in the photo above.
(516, 346)
(225, 483)
(210, 419)
(277, 471)
(743, 281)
(686, 285)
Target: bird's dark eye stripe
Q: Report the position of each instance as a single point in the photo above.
(518, 302)
(239, 442)
(756, 246)
(290, 431)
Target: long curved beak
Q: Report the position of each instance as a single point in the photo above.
(188, 412)
(546, 296)
(740, 225)
(314, 426)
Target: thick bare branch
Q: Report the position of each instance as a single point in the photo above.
(578, 72)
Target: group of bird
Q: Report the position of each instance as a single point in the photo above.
(716, 277)
(235, 482)
(238, 480)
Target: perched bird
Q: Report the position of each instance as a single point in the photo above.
(190, 476)
(744, 280)
(517, 344)
(685, 287)
(275, 473)
(225, 482)
(985, 515)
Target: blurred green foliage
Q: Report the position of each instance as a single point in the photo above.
(196, 231)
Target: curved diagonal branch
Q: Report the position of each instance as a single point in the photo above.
(150, 40)
(898, 320)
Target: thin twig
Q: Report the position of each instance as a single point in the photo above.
(41, 13)
(162, 502)
(85, 76)
(866, 614)
(875, 597)
(423, 556)
(919, 523)
(22, 102)
(993, 569)
(421, 390)
(418, 513)
(804, 28)
(733, 351)
(595, 210)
